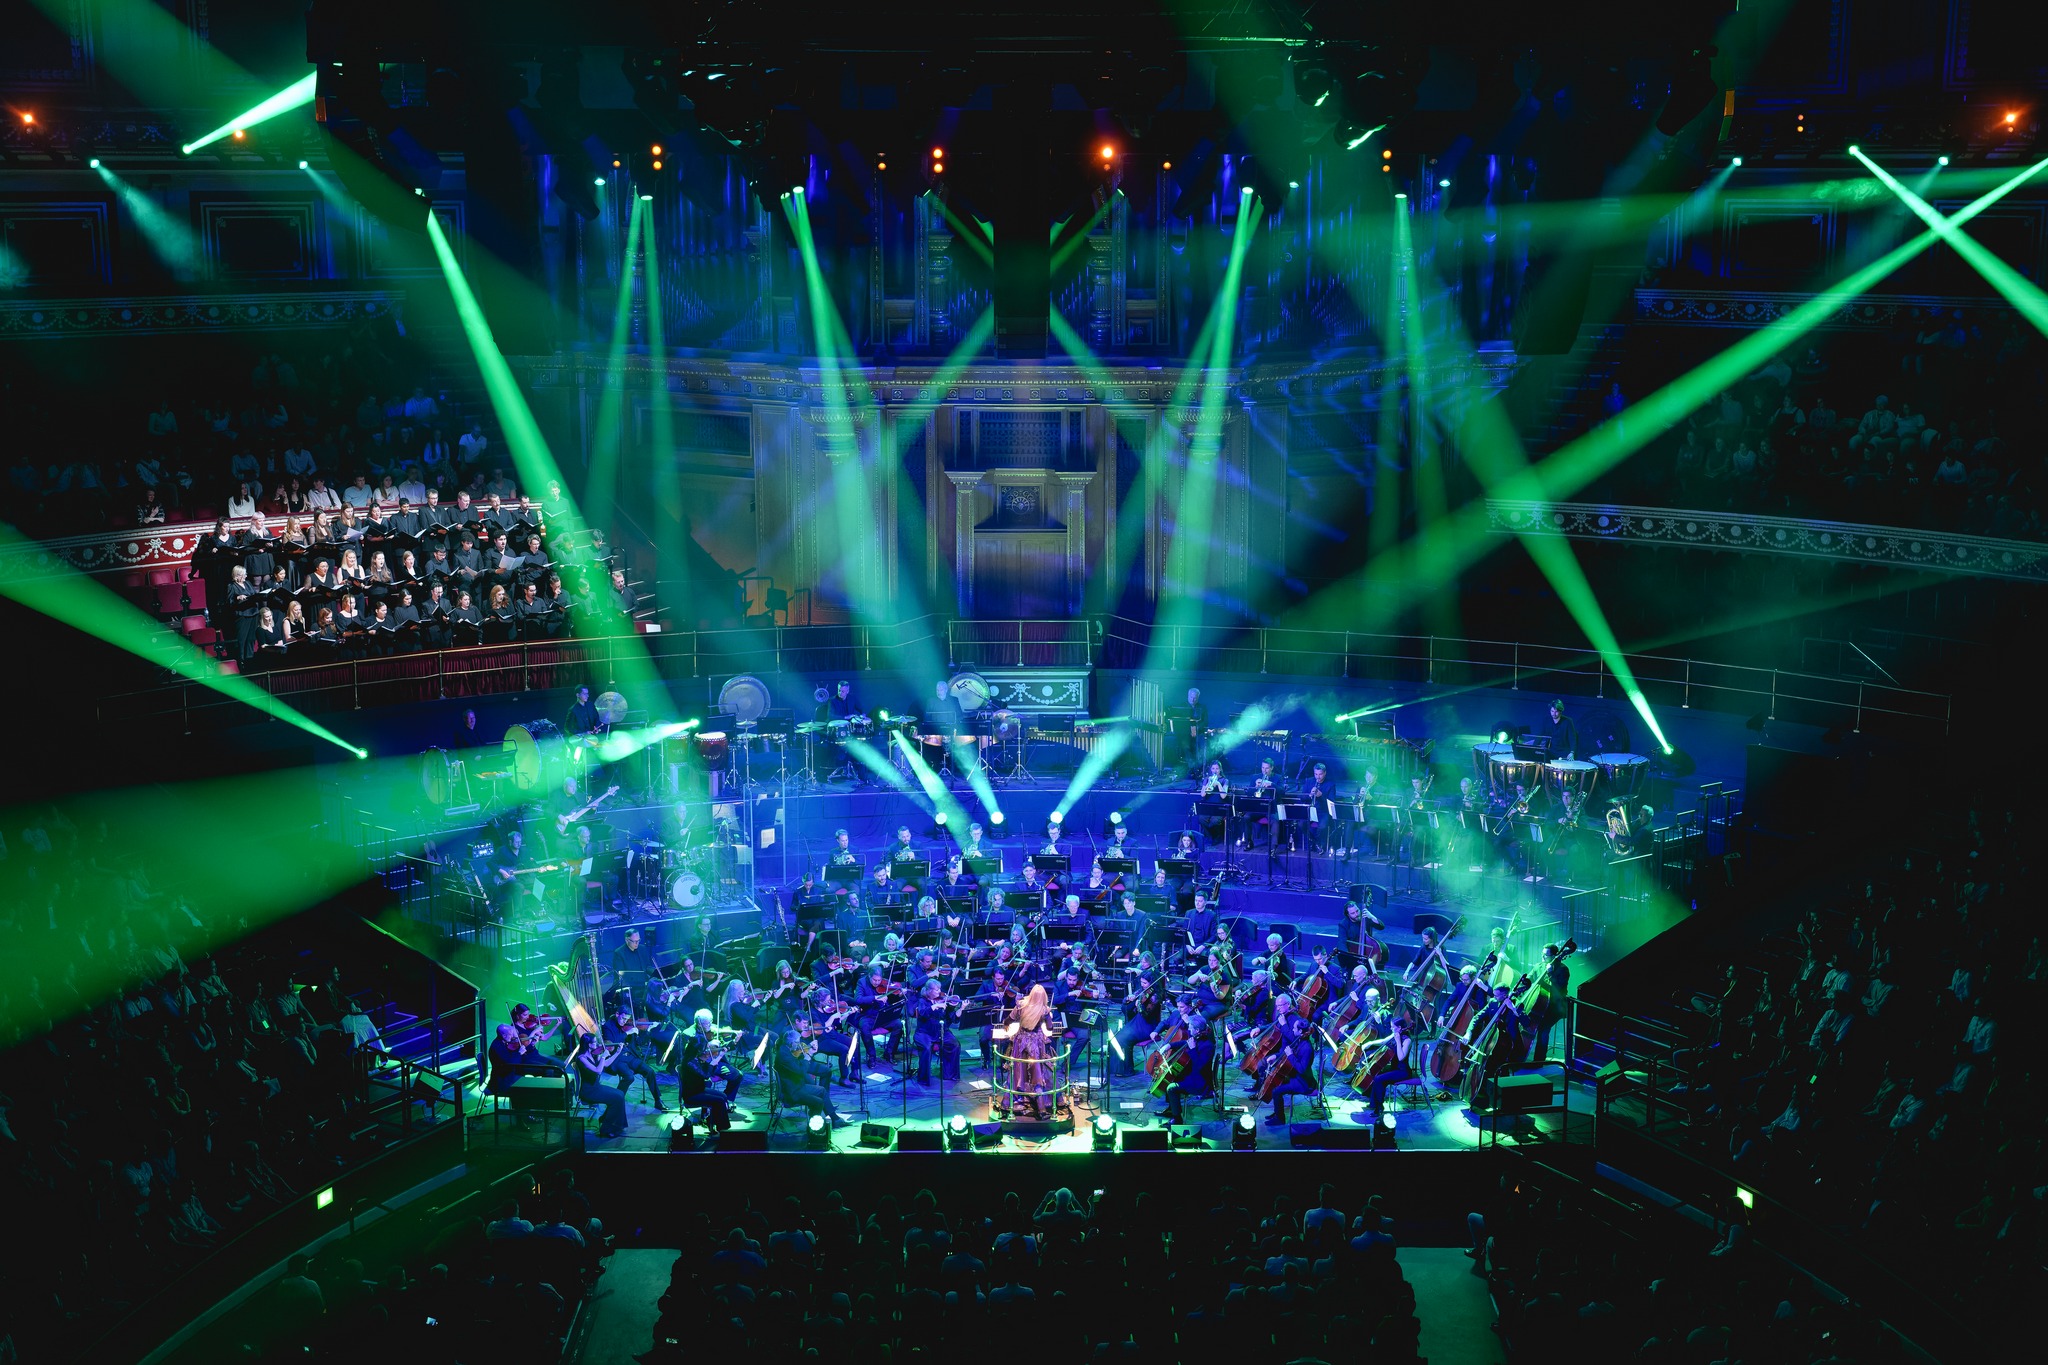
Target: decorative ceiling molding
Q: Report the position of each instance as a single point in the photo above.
(24, 319)
(1846, 542)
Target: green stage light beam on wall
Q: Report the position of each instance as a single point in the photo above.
(935, 792)
(530, 453)
(1099, 760)
(871, 758)
(74, 598)
(1462, 538)
(174, 242)
(1184, 588)
(337, 199)
(600, 492)
(852, 441)
(294, 96)
(2016, 289)
(671, 532)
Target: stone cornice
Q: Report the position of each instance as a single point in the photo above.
(1753, 308)
(1848, 542)
(183, 314)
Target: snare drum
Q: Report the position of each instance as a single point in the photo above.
(1570, 778)
(1621, 775)
(538, 756)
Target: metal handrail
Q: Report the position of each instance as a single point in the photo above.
(1462, 662)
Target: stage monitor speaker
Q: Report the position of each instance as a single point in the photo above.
(1307, 1136)
(1146, 1140)
(876, 1135)
(1357, 1138)
(920, 1140)
(743, 1140)
(1514, 1094)
(540, 1095)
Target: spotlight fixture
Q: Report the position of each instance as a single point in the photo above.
(307, 166)
(1294, 184)
(817, 1137)
(1059, 816)
(1853, 149)
(1387, 1120)
(95, 163)
(1102, 1133)
(1244, 1134)
(241, 134)
(1116, 817)
(1443, 184)
(28, 120)
(799, 189)
(1108, 152)
(655, 149)
(959, 1137)
(1246, 191)
(2011, 118)
(940, 819)
(1166, 165)
(646, 198)
(1939, 161)
(657, 165)
(1386, 153)
(995, 817)
(615, 163)
(1735, 161)
(599, 182)
(1400, 194)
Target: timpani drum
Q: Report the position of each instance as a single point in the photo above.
(712, 750)
(1508, 772)
(1570, 779)
(1621, 775)
(538, 757)
(1483, 756)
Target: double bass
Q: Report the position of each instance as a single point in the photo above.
(1481, 1049)
(1447, 1059)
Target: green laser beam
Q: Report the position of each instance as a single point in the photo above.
(1390, 580)
(976, 241)
(1066, 249)
(294, 96)
(935, 790)
(77, 600)
(1098, 760)
(2017, 290)
(174, 242)
(671, 533)
(606, 455)
(530, 453)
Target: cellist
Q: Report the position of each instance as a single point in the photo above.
(1143, 1007)
(1292, 1069)
(1399, 1067)
(1197, 1078)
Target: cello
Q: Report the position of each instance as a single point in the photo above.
(1170, 1061)
(1365, 1035)
(1314, 988)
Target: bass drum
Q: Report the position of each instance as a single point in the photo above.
(686, 891)
(437, 775)
(537, 756)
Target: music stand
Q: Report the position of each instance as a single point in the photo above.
(910, 870)
(1290, 817)
(982, 867)
(1052, 862)
(1120, 866)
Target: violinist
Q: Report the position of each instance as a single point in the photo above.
(998, 994)
(535, 1029)
(512, 1057)
(881, 1008)
(827, 1022)
(935, 1013)
(1223, 946)
(1071, 997)
(623, 1032)
(784, 997)
(1279, 966)
(1142, 1008)
(594, 1063)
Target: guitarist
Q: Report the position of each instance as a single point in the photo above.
(571, 812)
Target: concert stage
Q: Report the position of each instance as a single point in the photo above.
(894, 1109)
